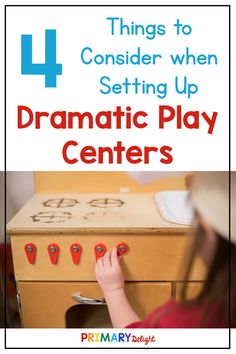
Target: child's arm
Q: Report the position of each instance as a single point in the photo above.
(111, 280)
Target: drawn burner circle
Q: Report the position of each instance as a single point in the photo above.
(60, 203)
(106, 203)
(51, 217)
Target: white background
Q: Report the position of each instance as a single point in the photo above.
(78, 87)
(15, 147)
(72, 338)
(45, 337)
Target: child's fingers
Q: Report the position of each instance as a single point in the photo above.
(114, 257)
(107, 259)
(120, 258)
(99, 265)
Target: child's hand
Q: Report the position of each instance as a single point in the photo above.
(108, 272)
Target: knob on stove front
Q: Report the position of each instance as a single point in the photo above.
(122, 248)
(53, 251)
(75, 250)
(30, 250)
(99, 250)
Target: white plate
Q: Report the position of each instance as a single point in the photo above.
(175, 206)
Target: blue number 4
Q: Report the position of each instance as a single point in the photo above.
(50, 68)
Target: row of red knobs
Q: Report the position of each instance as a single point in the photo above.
(75, 249)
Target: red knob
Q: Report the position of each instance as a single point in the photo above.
(75, 250)
(99, 250)
(122, 248)
(30, 250)
(53, 251)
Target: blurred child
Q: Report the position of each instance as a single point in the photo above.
(210, 199)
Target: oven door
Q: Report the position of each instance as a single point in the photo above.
(81, 304)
